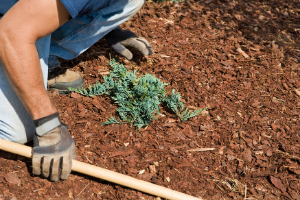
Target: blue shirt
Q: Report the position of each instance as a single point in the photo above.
(83, 7)
(74, 7)
(5, 5)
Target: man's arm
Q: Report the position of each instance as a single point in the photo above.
(20, 28)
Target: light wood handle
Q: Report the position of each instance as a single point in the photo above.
(105, 174)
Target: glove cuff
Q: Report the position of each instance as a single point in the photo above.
(46, 124)
(43, 120)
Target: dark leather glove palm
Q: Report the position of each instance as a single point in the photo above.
(53, 151)
(119, 39)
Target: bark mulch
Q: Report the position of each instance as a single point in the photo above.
(239, 57)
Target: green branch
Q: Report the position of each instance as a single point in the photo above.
(138, 98)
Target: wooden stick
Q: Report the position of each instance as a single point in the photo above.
(105, 174)
(202, 149)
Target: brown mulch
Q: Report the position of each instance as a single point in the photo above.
(239, 57)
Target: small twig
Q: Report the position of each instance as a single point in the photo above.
(110, 56)
(232, 184)
(242, 52)
(82, 190)
(130, 96)
(104, 191)
(278, 99)
(202, 149)
(197, 144)
(88, 159)
(38, 190)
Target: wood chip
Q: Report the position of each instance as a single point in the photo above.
(282, 153)
(278, 184)
(297, 92)
(261, 174)
(12, 178)
(103, 71)
(152, 169)
(247, 155)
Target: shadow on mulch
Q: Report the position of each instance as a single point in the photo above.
(259, 21)
(27, 161)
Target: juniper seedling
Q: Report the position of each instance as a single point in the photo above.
(138, 98)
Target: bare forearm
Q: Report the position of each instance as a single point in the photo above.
(20, 28)
(22, 67)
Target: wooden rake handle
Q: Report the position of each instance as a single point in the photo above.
(104, 174)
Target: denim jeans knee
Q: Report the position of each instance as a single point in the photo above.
(77, 35)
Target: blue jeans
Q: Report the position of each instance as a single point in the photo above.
(67, 42)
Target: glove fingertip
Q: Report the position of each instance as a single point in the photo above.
(55, 169)
(54, 178)
(36, 165)
(151, 52)
(64, 175)
(148, 51)
(47, 162)
(66, 167)
(127, 54)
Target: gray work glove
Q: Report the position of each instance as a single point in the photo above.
(119, 39)
(54, 149)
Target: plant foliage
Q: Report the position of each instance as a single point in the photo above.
(138, 98)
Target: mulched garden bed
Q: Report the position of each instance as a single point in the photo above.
(239, 57)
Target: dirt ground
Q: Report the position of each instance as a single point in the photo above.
(239, 57)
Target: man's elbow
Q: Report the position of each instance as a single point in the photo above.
(12, 40)
(3, 41)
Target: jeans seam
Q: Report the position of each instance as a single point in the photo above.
(79, 29)
(100, 14)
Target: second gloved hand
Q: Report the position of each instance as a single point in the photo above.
(119, 39)
(54, 149)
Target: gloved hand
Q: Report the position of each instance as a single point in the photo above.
(54, 149)
(119, 40)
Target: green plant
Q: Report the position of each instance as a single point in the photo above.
(174, 103)
(138, 98)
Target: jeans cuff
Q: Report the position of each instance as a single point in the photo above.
(53, 62)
